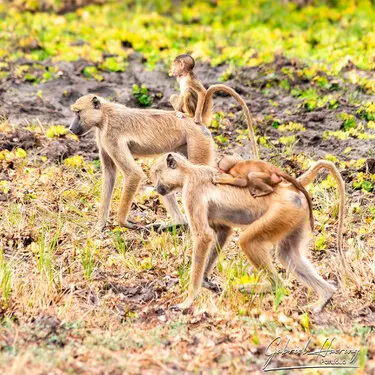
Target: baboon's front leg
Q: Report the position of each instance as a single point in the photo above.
(170, 203)
(133, 176)
(200, 252)
(178, 219)
(229, 180)
(108, 182)
(203, 236)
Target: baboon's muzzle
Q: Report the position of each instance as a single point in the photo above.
(76, 126)
(162, 190)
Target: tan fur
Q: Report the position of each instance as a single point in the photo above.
(192, 92)
(197, 102)
(259, 176)
(280, 218)
(123, 133)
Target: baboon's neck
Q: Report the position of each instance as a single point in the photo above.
(200, 174)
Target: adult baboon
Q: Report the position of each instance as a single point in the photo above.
(122, 133)
(279, 218)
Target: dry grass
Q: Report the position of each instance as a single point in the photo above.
(74, 301)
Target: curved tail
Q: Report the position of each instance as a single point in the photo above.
(207, 112)
(309, 177)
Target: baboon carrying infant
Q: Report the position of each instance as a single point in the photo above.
(259, 176)
(279, 218)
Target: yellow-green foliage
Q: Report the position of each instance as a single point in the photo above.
(216, 33)
(287, 140)
(291, 127)
(75, 161)
(7, 155)
(56, 131)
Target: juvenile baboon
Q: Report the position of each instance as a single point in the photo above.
(192, 92)
(259, 176)
(122, 133)
(280, 218)
(197, 102)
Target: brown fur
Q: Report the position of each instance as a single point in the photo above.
(122, 133)
(259, 176)
(280, 218)
(197, 102)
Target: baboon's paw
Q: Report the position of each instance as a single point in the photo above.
(99, 228)
(211, 286)
(132, 225)
(198, 120)
(318, 306)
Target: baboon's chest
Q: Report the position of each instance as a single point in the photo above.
(183, 85)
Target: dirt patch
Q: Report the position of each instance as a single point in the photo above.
(18, 138)
(266, 100)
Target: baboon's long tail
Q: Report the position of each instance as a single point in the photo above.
(207, 112)
(309, 176)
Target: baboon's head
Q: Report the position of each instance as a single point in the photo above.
(182, 64)
(168, 173)
(228, 162)
(87, 113)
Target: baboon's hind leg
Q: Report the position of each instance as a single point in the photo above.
(291, 252)
(259, 238)
(257, 184)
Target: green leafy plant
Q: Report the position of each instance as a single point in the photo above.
(367, 111)
(142, 95)
(92, 72)
(362, 182)
(349, 121)
(113, 64)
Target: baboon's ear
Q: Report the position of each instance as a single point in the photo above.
(96, 102)
(171, 162)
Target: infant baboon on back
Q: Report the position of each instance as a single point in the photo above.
(259, 176)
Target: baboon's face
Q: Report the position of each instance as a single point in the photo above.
(166, 174)
(177, 68)
(227, 162)
(87, 113)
